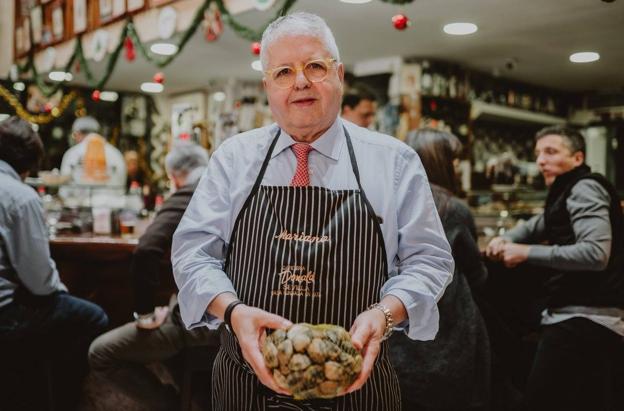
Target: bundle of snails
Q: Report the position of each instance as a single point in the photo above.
(312, 361)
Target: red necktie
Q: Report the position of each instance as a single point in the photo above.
(301, 177)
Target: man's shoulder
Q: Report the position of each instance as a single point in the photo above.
(15, 193)
(377, 141)
(592, 186)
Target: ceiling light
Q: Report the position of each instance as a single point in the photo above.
(19, 86)
(219, 96)
(109, 96)
(460, 29)
(69, 76)
(164, 49)
(256, 65)
(4, 116)
(150, 87)
(355, 1)
(57, 75)
(584, 57)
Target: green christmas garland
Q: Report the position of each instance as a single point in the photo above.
(130, 31)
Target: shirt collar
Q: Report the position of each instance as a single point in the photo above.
(5, 168)
(329, 143)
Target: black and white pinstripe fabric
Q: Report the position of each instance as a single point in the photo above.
(310, 255)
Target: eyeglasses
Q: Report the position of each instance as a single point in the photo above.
(315, 71)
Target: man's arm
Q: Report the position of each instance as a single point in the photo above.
(588, 205)
(29, 250)
(198, 247)
(425, 263)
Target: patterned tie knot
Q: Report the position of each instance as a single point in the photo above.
(302, 176)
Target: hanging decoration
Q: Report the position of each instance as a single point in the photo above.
(212, 24)
(44, 118)
(130, 53)
(400, 21)
(255, 48)
(95, 96)
(159, 77)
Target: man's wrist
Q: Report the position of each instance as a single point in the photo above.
(227, 316)
(389, 325)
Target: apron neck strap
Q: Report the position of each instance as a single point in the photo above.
(265, 163)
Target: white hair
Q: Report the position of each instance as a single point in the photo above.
(298, 24)
(184, 158)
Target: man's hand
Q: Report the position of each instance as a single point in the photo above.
(366, 333)
(250, 324)
(494, 250)
(154, 320)
(514, 254)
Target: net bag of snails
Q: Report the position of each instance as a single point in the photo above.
(312, 361)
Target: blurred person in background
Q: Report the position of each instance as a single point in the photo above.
(359, 107)
(157, 334)
(451, 372)
(39, 320)
(575, 248)
(93, 160)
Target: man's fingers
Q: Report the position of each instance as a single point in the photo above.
(370, 355)
(359, 337)
(274, 321)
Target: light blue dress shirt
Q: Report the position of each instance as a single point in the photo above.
(419, 257)
(24, 248)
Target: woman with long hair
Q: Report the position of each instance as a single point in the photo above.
(451, 372)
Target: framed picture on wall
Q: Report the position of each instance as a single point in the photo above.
(119, 7)
(80, 16)
(58, 24)
(106, 10)
(26, 34)
(134, 5)
(36, 17)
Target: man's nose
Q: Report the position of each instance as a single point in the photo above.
(301, 81)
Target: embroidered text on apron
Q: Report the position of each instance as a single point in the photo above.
(312, 255)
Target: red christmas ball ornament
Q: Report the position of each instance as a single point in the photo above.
(255, 48)
(130, 52)
(159, 78)
(95, 96)
(400, 21)
(47, 107)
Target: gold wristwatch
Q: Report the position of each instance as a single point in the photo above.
(389, 320)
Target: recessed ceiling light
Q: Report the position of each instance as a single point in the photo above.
(256, 65)
(150, 87)
(109, 96)
(460, 29)
(355, 1)
(69, 76)
(19, 86)
(219, 96)
(584, 57)
(164, 49)
(57, 75)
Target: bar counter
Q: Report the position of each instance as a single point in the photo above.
(97, 268)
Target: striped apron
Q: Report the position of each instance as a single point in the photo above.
(312, 255)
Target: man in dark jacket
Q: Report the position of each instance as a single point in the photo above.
(157, 333)
(576, 245)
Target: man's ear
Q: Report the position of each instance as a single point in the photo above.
(340, 71)
(579, 158)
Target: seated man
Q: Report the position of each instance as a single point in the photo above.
(577, 248)
(38, 318)
(157, 334)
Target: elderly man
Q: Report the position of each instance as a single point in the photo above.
(359, 108)
(381, 258)
(577, 246)
(38, 318)
(120, 355)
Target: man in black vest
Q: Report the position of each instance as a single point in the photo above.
(577, 246)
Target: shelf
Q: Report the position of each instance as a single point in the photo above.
(480, 109)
